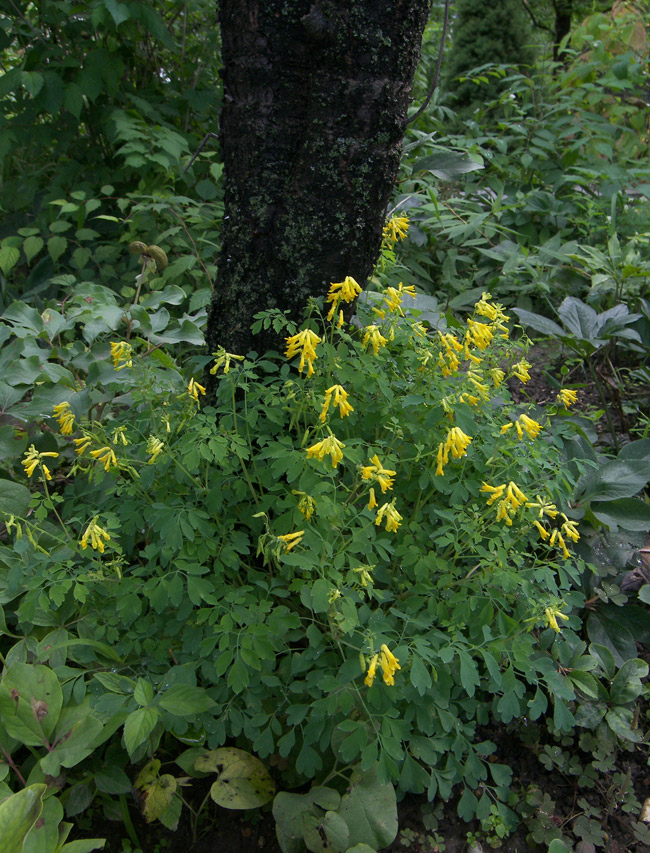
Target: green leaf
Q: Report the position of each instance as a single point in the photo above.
(156, 792)
(43, 837)
(626, 686)
(242, 783)
(539, 323)
(616, 479)
(18, 814)
(9, 257)
(369, 808)
(56, 246)
(580, 319)
(30, 702)
(112, 780)
(469, 677)
(73, 99)
(14, 498)
(447, 165)
(289, 811)
(185, 700)
(606, 630)
(325, 833)
(138, 727)
(83, 845)
(627, 513)
(118, 11)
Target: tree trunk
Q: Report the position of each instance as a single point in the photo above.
(563, 11)
(315, 103)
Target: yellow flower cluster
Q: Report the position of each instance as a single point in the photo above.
(388, 513)
(508, 504)
(389, 666)
(377, 473)
(329, 446)
(306, 504)
(374, 337)
(494, 312)
(449, 361)
(105, 455)
(393, 298)
(96, 534)
(455, 443)
(521, 370)
(342, 291)
(223, 359)
(340, 400)
(290, 540)
(33, 459)
(122, 354)
(523, 424)
(395, 229)
(552, 614)
(65, 417)
(305, 343)
(567, 397)
(194, 389)
(154, 448)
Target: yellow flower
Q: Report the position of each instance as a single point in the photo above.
(373, 337)
(545, 508)
(455, 443)
(118, 435)
(569, 529)
(372, 500)
(567, 397)
(521, 370)
(96, 534)
(389, 665)
(305, 343)
(376, 472)
(340, 400)
(65, 417)
(495, 492)
(328, 446)
(531, 427)
(290, 540)
(306, 504)
(346, 291)
(543, 532)
(365, 574)
(480, 334)
(193, 389)
(33, 459)
(154, 448)
(497, 376)
(106, 456)
(370, 675)
(395, 229)
(223, 359)
(515, 496)
(552, 614)
(391, 515)
(493, 312)
(122, 353)
(481, 387)
(82, 444)
(339, 322)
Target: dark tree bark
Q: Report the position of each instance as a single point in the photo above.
(563, 11)
(315, 104)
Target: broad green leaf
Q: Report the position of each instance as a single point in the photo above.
(447, 165)
(325, 833)
(627, 513)
(30, 702)
(369, 807)
(626, 686)
(56, 246)
(32, 246)
(184, 700)
(43, 837)
(539, 323)
(118, 11)
(14, 498)
(138, 727)
(612, 633)
(156, 792)
(616, 479)
(290, 809)
(18, 814)
(9, 257)
(23, 315)
(242, 783)
(580, 319)
(75, 734)
(83, 845)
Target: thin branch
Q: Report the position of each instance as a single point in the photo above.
(436, 74)
(536, 23)
(198, 256)
(208, 135)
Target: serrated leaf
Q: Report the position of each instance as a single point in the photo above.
(243, 782)
(9, 257)
(56, 246)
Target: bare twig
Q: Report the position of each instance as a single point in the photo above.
(536, 23)
(208, 135)
(436, 74)
(198, 256)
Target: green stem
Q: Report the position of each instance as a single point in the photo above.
(128, 823)
(603, 401)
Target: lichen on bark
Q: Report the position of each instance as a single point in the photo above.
(315, 102)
